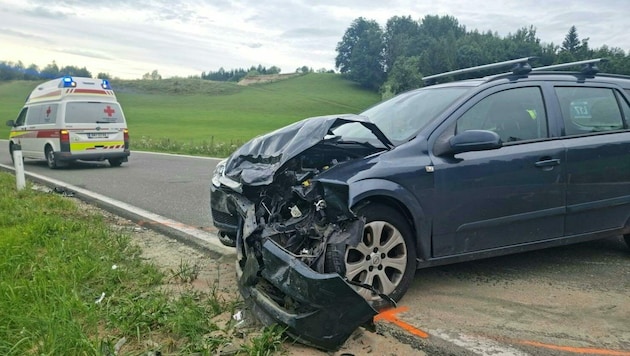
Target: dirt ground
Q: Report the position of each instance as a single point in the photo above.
(170, 254)
(262, 79)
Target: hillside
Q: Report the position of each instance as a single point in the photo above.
(199, 112)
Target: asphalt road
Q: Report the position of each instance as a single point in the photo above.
(177, 187)
(563, 301)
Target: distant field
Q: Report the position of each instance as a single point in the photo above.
(189, 110)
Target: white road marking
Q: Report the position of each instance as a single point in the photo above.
(477, 344)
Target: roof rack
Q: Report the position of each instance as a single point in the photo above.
(589, 66)
(520, 66)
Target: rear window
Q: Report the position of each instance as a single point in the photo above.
(93, 113)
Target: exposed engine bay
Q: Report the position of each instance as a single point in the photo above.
(304, 215)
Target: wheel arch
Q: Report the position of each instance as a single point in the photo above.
(399, 198)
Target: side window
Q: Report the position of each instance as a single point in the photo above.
(48, 114)
(21, 117)
(514, 114)
(42, 114)
(586, 110)
(32, 116)
(625, 108)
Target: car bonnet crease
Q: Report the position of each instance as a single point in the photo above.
(256, 161)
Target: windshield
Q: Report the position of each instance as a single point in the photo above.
(401, 117)
(93, 113)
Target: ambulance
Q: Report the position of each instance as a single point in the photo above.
(69, 119)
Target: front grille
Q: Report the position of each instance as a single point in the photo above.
(224, 218)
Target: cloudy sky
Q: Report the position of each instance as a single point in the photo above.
(186, 37)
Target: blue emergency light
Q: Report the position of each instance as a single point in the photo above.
(68, 82)
(105, 84)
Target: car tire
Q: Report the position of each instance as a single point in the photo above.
(627, 239)
(50, 157)
(115, 162)
(227, 239)
(384, 259)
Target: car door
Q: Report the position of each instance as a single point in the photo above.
(598, 158)
(500, 197)
(19, 133)
(40, 125)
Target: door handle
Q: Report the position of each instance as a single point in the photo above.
(547, 162)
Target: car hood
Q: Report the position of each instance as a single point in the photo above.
(256, 162)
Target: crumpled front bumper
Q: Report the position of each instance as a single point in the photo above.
(325, 310)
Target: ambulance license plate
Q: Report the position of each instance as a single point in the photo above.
(97, 135)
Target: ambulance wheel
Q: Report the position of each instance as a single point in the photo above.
(115, 162)
(50, 158)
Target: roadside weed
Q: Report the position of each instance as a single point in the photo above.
(268, 342)
(185, 273)
(71, 284)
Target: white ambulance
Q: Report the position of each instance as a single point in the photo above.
(69, 119)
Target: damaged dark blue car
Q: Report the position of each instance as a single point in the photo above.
(332, 215)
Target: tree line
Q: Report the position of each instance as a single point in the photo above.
(18, 71)
(395, 58)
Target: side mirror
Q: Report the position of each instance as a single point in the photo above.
(474, 140)
(11, 123)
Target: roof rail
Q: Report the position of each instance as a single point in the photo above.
(521, 66)
(589, 66)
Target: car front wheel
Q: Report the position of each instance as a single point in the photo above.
(383, 262)
(627, 238)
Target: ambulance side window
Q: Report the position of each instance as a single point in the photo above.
(21, 118)
(41, 114)
(46, 114)
(33, 114)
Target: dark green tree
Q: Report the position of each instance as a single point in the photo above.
(360, 54)
(51, 71)
(573, 49)
(31, 72)
(523, 43)
(75, 71)
(400, 39)
(441, 26)
(571, 41)
(404, 75)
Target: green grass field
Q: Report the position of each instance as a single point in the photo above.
(178, 115)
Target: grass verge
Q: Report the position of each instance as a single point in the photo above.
(71, 284)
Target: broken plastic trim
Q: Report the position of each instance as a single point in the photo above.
(334, 309)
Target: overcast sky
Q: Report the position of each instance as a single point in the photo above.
(186, 37)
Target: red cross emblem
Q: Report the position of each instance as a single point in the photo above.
(48, 111)
(109, 111)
